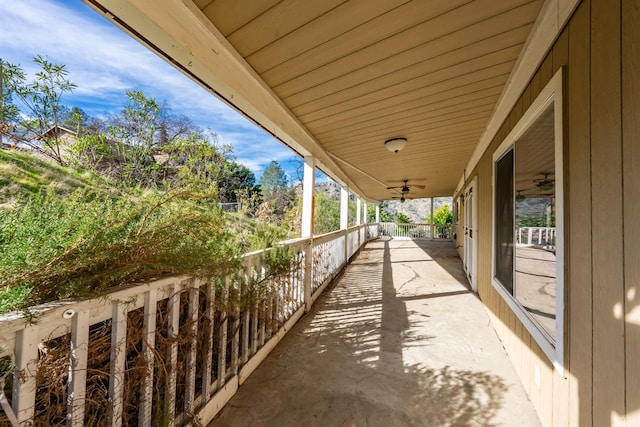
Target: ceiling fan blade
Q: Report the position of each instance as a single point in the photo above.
(420, 186)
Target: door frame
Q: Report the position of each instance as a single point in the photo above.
(471, 228)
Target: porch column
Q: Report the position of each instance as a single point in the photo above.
(365, 213)
(344, 219)
(378, 213)
(358, 211)
(344, 208)
(433, 229)
(308, 186)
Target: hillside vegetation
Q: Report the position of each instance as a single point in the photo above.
(23, 174)
(68, 233)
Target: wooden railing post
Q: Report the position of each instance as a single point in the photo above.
(308, 274)
(78, 368)
(24, 382)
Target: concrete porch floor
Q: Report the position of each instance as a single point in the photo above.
(399, 340)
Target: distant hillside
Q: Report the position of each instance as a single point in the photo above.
(417, 210)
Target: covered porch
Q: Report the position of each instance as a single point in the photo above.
(397, 339)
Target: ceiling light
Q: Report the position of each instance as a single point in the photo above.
(395, 144)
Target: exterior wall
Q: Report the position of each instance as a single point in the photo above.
(600, 50)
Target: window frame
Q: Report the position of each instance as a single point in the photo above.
(551, 94)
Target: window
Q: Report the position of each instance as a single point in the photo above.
(527, 232)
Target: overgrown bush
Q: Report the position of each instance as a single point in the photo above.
(53, 248)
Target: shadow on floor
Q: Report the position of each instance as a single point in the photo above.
(376, 350)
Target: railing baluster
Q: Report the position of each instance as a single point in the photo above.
(118, 360)
(173, 325)
(193, 347)
(24, 377)
(210, 314)
(235, 343)
(78, 369)
(262, 307)
(222, 344)
(268, 321)
(148, 346)
(254, 310)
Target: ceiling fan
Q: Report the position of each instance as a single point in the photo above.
(404, 189)
(544, 183)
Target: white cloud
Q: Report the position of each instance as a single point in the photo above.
(105, 62)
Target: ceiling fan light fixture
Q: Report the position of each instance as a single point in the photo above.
(545, 186)
(395, 144)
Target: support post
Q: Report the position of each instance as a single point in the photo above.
(433, 228)
(378, 214)
(358, 211)
(344, 220)
(308, 187)
(307, 225)
(344, 208)
(365, 213)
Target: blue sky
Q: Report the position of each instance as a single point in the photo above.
(105, 62)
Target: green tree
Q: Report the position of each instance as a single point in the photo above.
(75, 119)
(442, 215)
(276, 190)
(237, 179)
(385, 216)
(326, 213)
(273, 180)
(42, 99)
(403, 219)
(11, 76)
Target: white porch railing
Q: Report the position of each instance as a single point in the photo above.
(541, 236)
(168, 351)
(417, 231)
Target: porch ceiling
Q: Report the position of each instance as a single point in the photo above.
(336, 78)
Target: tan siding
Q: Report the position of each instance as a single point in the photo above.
(578, 201)
(602, 171)
(559, 399)
(631, 180)
(606, 210)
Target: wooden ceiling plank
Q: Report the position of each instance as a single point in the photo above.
(414, 77)
(278, 21)
(379, 136)
(396, 20)
(202, 3)
(417, 109)
(443, 142)
(433, 137)
(402, 119)
(332, 24)
(454, 146)
(484, 88)
(460, 46)
(332, 59)
(387, 98)
(448, 143)
(229, 15)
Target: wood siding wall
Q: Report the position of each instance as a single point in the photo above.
(600, 48)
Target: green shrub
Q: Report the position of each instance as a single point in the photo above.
(53, 248)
